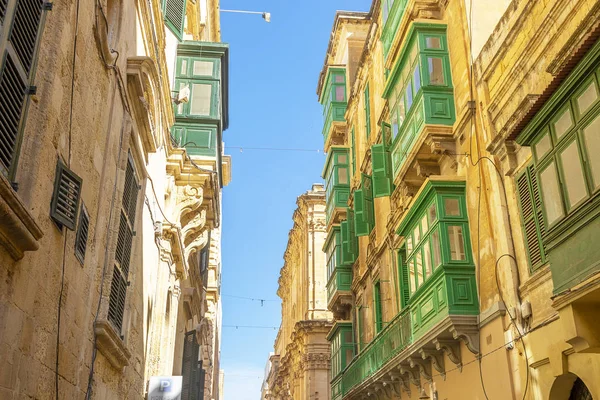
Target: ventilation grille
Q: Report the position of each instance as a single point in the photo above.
(25, 29)
(82, 234)
(12, 100)
(65, 200)
(175, 13)
(116, 306)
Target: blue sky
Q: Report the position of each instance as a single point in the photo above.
(274, 70)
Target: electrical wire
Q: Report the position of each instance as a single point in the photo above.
(251, 327)
(262, 301)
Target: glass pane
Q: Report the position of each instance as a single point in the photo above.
(339, 79)
(401, 111)
(409, 96)
(340, 93)
(457, 244)
(411, 276)
(417, 79)
(395, 127)
(551, 193)
(417, 235)
(424, 225)
(409, 244)
(591, 136)
(433, 43)
(574, 179)
(543, 146)
(180, 105)
(342, 159)
(452, 207)
(349, 354)
(432, 213)
(200, 101)
(427, 259)
(587, 98)
(183, 70)
(563, 123)
(435, 244)
(343, 176)
(419, 268)
(436, 71)
(204, 68)
(348, 337)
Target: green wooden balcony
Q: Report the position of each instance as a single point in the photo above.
(337, 183)
(339, 272)
(334, 99)
(394, 338)
(392, 12)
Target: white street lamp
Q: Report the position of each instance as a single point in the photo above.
(266, 16)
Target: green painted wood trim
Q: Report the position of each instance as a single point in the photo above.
(590, 62)
(382, 171)
(390, 26)
(327, 83)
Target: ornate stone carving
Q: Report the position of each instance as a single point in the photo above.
(451, 349)
(437, 359)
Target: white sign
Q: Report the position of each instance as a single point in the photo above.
(165, 388)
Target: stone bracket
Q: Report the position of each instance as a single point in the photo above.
(469, 335)
(451, 349)
(424, 368)
(412, 373)
(437, 359)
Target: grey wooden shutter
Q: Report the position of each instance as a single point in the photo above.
(82, 234)
(532, 216)
(120, 281)
(174, 13)
(189, 367)
(16, 62)
(65, 199)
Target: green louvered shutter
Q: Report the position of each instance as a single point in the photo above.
(174, 14)
(377, 307)
(346, 251)
(386, 135)
(382, 176)
(532, 217)
(352, 232)
(19, 43)
(404, 285)
(360, 223)
(369, 208)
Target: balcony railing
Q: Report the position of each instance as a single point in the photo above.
(394, 338)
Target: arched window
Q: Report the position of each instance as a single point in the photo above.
(580, 391)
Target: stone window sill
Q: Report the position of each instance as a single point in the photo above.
(111, 345)
(18, 230)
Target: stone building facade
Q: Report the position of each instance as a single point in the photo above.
(299, 367)
(462, 141)
(112, 166)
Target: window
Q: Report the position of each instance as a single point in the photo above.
(364, 213)
(342, 348)
(17, 60)
(367, 100)
(435, 67)
(377, 303)
(532, 217)
(174, 14)
(120, 279)
(349, 240)
(201, 76)
(567, 154)
(337, 180)
(386, 7)
(333, 251)
(191, 368)
(353, 153)
(382, 171)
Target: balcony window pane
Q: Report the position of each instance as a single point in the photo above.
(457, 244)
(587, 98)
(436, 249)
(417, 236)
(433, 43)
(417, 79)
(427, 259)
(200, 102)
(563, 123)
(347, 338)
(432, 213)
(339, 79)
(340, 93)
(180, 105)
(343, 176)
(183, 70)
(543, 146)
(411, 276)
(419, 268)
(409, 244)
(342, 159)
(424, 225)
(401, 111)
(574, 179)
(452, 207)
(395, 126)
(591, 136)
(551, 193)
(436, 71)
(349, 354)
(203, 68)
(409, 96)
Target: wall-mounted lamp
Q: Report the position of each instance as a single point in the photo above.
(266, 15)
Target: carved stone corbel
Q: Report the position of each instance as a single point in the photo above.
(412, 373)
(424, 368)
(451, 349)
(437, 359)
(469, 335)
